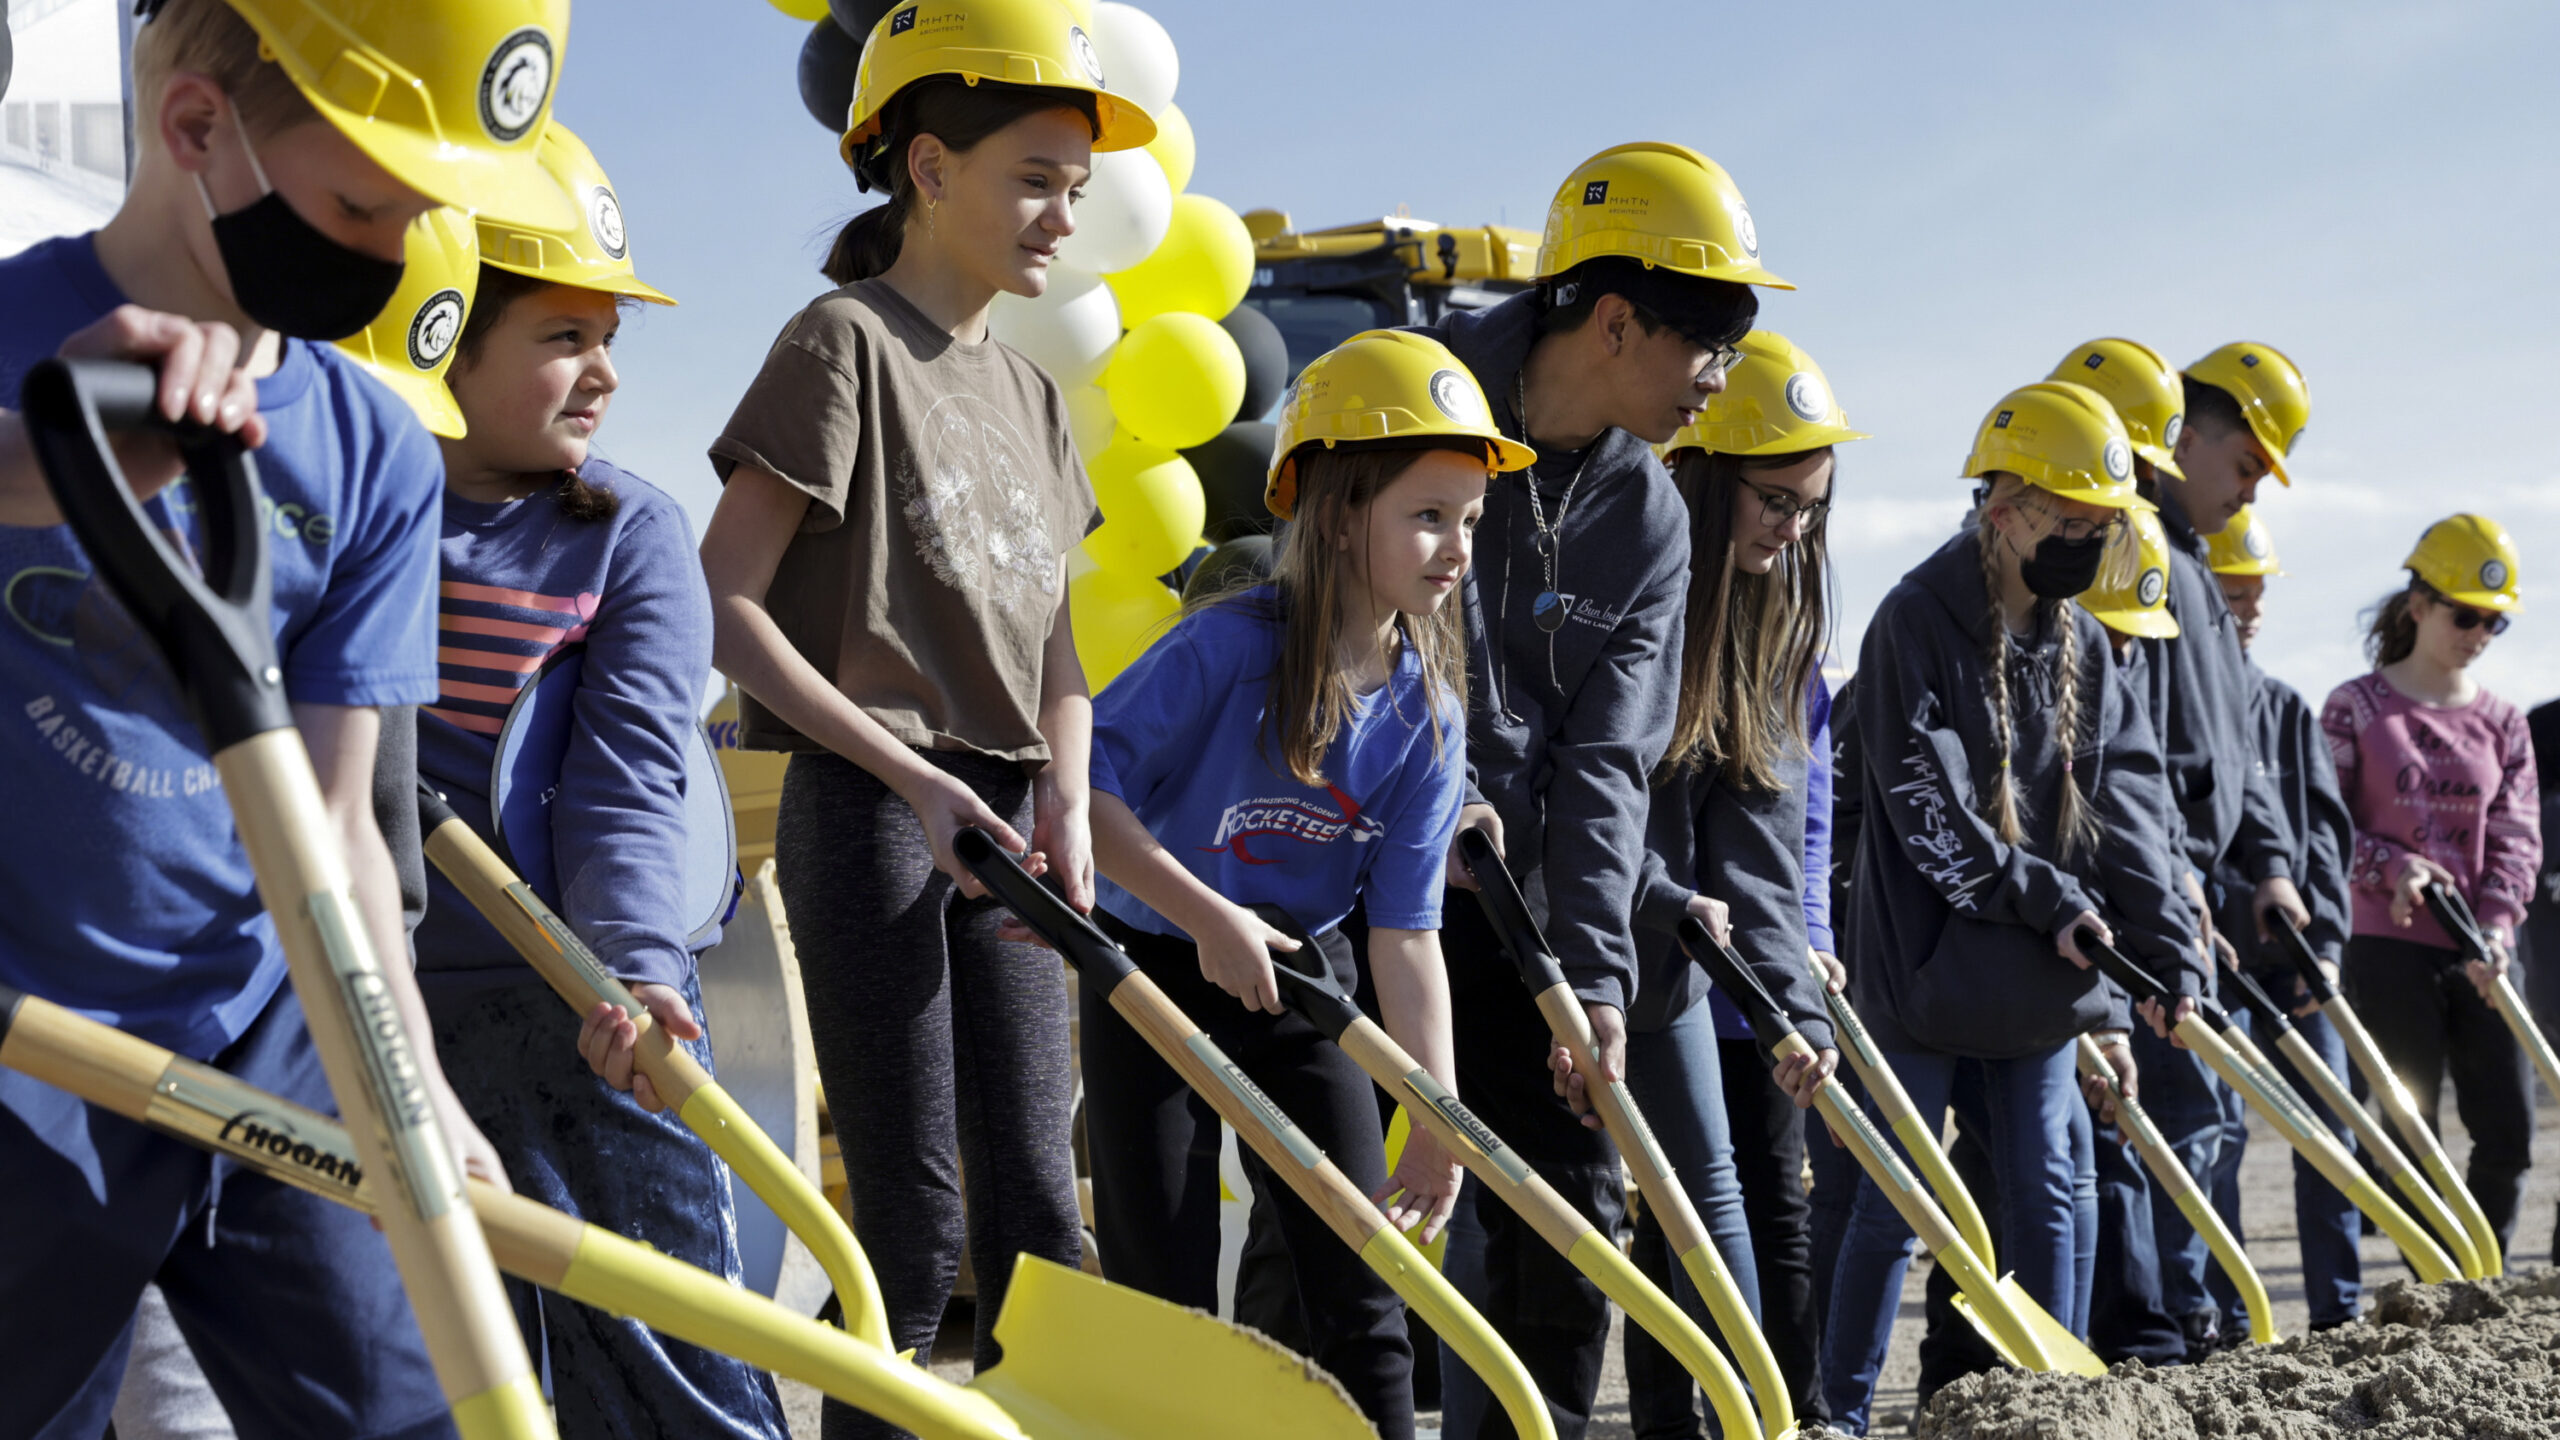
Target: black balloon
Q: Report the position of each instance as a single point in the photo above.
(828, 59)
(1229, 566)
(1266, 360)
(858, 16)
(1232, 466)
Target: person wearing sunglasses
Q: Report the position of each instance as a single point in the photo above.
(2439, 777)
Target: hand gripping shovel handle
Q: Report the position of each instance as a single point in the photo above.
(219, 1112)
(1894, 1104)
(2180, 1187)
(214, 630)
(1993, 1308)
(2396, 1101)
(1517, 932)
(580, 979)
(1499, 1168)
(2454, 914)
(2332, 1092)
(2210, 1034)
(1109, 972)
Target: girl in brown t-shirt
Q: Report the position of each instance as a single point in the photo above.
(887, 571)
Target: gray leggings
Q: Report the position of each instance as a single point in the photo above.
(943, 1049)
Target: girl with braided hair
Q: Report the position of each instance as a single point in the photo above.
(2015, 794)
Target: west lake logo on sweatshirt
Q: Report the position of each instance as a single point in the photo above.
(1291, 817)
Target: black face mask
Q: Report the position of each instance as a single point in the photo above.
(2060, 569)
(290, 278)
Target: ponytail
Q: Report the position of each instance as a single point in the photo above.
(961, 116)
(2391, 626)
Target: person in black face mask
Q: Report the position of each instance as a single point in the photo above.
(286, 274)
(2013, 792)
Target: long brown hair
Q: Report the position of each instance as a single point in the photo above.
(1751, 642)
(961, 116)
(2391, 632)
(2076, 824)
(1311, 695)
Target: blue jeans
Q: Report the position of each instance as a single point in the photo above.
(1677, 1074)
(2027, 1105)
(2328, 1222)
(582, 1147)
(2184, 1099)
(289, 1301)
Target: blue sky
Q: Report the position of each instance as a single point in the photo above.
(1963, 192)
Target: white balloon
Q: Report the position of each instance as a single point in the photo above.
(1137, 56)
(1089, 415)
(1068, 331)
(1122, 218)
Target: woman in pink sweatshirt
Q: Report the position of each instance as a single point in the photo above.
(2438, 774)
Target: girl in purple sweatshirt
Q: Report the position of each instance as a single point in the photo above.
(2438, 774)
(548, 549)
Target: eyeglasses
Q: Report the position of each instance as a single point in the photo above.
(2466, 618)
(1777, 507)
(2076, 531)
(1721, 358)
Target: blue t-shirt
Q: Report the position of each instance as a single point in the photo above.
(1180, 737)
(125, 894)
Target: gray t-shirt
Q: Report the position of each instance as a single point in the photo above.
(944, 487)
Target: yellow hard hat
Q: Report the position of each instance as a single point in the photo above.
(448, 95)
(1016, 42)
(2242, 547)
(2139, 606)
(2143, 388)
(2063, 439)
(2270, 389)
(410, 345)
(2469, 560)
(1775, 402)
(1382, 385)
(1665, 205)
(592, 254)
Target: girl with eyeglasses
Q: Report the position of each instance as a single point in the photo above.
(2438, 774)
(1727, 844)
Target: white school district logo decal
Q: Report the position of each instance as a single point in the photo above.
(1291, 818)
(514, 84)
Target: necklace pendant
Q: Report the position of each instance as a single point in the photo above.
(1549, 611)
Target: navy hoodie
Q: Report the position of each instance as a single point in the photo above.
(2201, 693)
(1955, 928)
(1564, 730)
(2294, 756)
(1746, 847)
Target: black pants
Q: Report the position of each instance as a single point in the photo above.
(2128, 1319)
(1154, 1149)
(943, 1049)
(1769, 1157)
(2427, 1019)
(1555, 1320)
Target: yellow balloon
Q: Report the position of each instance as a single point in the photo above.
(1175, 147)
(1204, 265)
(802, 9)
(1152, 509)
(1176, 380)
(1116, 618)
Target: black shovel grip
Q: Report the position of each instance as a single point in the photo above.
(2138, 982)
(2259, 1003)
(1102, 964)
(2454, 914)
(1727, 973)
(2314, 979)
(432, 810)
(1309, 991)
(1508, 912)
(215, 628)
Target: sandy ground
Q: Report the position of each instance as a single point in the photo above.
(2266, 1212)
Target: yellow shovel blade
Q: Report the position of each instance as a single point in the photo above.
(2011, 1321)
(1087, 1360)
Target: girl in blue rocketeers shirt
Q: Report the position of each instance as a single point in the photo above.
(1302, 745)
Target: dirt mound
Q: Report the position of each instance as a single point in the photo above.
(2458, 1361)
